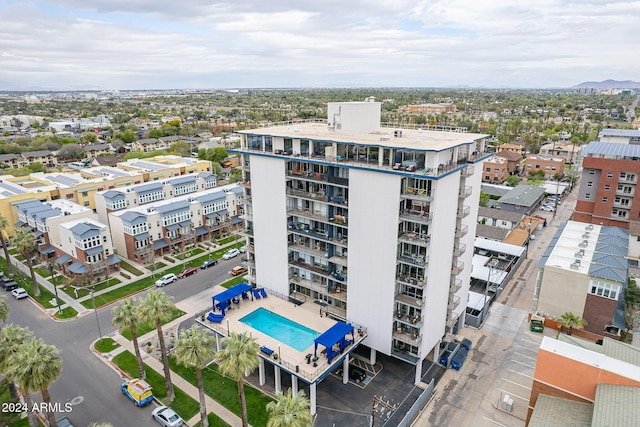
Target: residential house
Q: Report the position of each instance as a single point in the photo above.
(514, 160)
(522, 199)
(95, 150)
(549, 165)
(514, 148)
(569, 152)
(494, 170)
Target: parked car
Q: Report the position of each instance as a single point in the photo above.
(243, 250)
(19, 293)
(166, 279)
(64, 422)
(356, 374)
(187, 272)
(8, 284)
(238, 270)
(208, 263)
(231, 253)
(166, 417)
(547, 208)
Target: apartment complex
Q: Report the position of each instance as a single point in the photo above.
(428, 108)
(549, 165)
(135, 195)
(584, 271)
(494, 170)
(371, 223)
(160, 227)
(569, 152)
(44, 157)
(579, 383)
(608, 184)
(625, 136)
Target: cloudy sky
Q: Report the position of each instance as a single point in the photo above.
(164, 44)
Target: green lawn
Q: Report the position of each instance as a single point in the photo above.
(87, 291)
(106, 345)
(232, 282)
(183, 404)
(230, 239)
(143, 329)
(131, 269)
(121, 292)
(67, 313)
(189, 254)
(214, 421)
(45, 273)
(225, 391)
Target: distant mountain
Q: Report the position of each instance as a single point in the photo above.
(609, 84)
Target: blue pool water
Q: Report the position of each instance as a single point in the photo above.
(282, 329)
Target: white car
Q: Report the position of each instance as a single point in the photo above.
(166, 417)
(166, 279)
(19, 293)
(547, 208)
(231, 253)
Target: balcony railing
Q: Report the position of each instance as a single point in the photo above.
(622, 205)
(409, 338)
(465, 192)
(416, 216)
(454, 302)
(457, 269)
(459, 250)
(412, 281)
(628, 179)
(456, 285)
(624, 192)
(462, 230)
(462, 213)
(414, 239)
(307, 175)
(416, 194)
(309, 214)
(410, 300)
(467, 172)
(307, 250)
(414, 260)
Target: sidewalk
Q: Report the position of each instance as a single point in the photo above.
(190, 306)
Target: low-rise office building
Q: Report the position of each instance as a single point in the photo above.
(549, 165)
(494, 170)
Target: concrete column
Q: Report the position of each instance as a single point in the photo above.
(294, 384)
(345, 370)
(373, 356)
(312, 397)
(261, 372)
(218, 348)
(418, 377)
(276, 371)
(380, 156)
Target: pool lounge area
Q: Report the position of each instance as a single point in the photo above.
(305, 361)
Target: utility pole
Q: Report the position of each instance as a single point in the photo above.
(385, 405)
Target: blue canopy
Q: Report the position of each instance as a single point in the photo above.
(229, 294)
(332, 336)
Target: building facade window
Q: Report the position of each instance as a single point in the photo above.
(116, 204)
(605, 199)
(607, 187)
(587, 196)
(603, 289)
(609, 174)
(151, 197)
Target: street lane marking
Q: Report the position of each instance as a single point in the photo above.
(519, 373)
(515, 383)
(514, 395)
(495, 422)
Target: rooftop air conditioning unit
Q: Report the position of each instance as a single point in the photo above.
(583, 244)
(574, 266)
(586, 235)
(589, 227)
(397, 133)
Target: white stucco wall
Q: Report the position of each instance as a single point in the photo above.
(268, 185)
(374, 199)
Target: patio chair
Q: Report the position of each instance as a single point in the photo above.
(263, 293)
(256, 294)
(245, 296)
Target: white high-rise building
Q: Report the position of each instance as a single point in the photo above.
(376, 224)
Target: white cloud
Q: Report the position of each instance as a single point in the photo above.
(198, 43)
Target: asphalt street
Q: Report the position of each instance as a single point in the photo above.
(86, 382)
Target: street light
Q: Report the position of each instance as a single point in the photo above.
(55, 288)
(96, 311)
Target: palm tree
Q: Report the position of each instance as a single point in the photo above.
(4, 309)
(10, 338)
(289, 410)
(3, 229)
(34, 366)
(25, 243)
(125, 315)
(239, 356)
(571, 321)
(156, 308)
(194, 348)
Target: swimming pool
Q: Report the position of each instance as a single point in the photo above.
(282, 329)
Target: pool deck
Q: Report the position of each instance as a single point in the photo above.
(307, 314)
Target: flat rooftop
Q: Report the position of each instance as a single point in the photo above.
(415, 139)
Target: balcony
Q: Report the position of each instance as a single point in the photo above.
(420, 261)
(454, 302)
(464, 192)
(307, 175)
(299, 229)
(414, 239)
(459, 250)
(622, 204)
(409, 338)
(308, 214)
(340, 260)
(628, 179)
(416, 194)
(247, 216)
(415, 216)
(246, 184)
(245, 200)
(455, 285)
(307, 250)
(462, 230)
(403, 279)
(457, 269)
(248, 232)
(410, 300)
(464, 212)
(467, 172)
(628, 192)
(451, 321)
(338, 312)
(246, 166)
(305, 194)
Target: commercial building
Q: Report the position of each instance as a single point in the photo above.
(584, 271)
(153, 229)
(549, 165)
(579, 383)
(374, 224)
(608, 184)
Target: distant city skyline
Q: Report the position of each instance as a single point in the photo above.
(162, 44)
